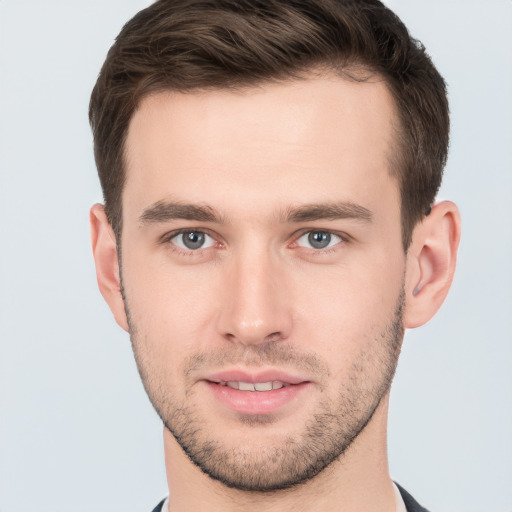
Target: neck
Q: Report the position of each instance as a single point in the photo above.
(358, 480)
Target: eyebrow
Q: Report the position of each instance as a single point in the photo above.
(164, 211)
(328, 211)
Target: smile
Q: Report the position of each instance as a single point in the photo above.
(254, 386)
(257, 394)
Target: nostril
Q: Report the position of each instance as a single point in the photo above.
(275, 336)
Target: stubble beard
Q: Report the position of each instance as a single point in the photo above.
(326, 436)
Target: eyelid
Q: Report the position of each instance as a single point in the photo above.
(168, 237)
(343, 238)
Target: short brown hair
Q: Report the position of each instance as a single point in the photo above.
(182, 45)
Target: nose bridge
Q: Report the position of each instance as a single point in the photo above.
(255, 308)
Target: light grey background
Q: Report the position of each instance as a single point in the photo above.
(76, 430)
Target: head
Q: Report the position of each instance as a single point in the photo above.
(267, 169)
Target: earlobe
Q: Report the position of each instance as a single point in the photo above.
(104, 250)
(431, 263)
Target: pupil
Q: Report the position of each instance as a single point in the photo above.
(319, 239)
(193, 240)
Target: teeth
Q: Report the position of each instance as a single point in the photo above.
(263, 386)
(258, 386)
(246, 386)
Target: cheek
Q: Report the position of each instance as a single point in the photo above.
(169, 306)
(348, 307)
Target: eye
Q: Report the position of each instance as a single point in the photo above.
(192, 240)
(318, 240)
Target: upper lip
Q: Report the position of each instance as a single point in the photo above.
(254, 377)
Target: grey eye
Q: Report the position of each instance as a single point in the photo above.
(193, 240)
(318, 239)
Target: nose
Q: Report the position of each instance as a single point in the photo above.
(255, 303)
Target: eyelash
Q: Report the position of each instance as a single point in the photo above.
(320, 250)
(167, 239)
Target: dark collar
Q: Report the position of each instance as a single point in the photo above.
(410, 503)
(158, 508)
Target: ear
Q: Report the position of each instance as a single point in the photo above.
(104, 249)
(431, 262)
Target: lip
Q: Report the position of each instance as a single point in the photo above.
(256, 402)
(264, 376)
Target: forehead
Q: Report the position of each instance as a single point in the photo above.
(302, 138)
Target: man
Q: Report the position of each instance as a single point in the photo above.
(269, 230)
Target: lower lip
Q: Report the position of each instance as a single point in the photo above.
(256, 402)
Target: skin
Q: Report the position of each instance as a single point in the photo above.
(258, 296)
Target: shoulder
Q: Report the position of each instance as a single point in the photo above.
(410, 503)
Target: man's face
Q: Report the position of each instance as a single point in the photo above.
(263, 271)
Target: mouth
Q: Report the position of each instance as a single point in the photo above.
(255, 386)
(257, 394)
